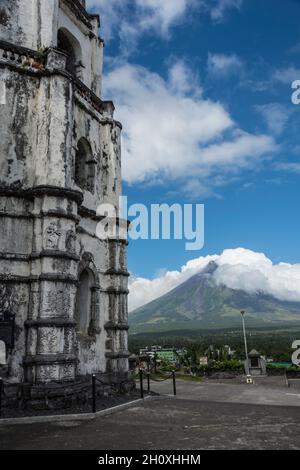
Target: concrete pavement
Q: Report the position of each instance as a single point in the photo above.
(264, 391)
(203, 416)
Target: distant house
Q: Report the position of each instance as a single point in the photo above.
(168, 355)
(159, 354)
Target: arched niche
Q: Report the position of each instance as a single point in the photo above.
(84, 301)
(87, 297)
(67, 43)
(85, 166)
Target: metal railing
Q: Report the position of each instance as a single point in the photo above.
(149, 377)
(37, 61)
(2, 393)
(88, 388)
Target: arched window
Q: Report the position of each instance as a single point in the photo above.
(2, 353)
(67, 43)
(85, 166)
(84, 299)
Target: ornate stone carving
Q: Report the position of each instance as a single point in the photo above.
(71, 240)
(53, 234)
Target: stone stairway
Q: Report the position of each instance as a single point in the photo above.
(294, 383)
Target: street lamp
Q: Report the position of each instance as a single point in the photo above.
(245, 341)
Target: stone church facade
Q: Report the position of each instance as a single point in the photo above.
(60, 158)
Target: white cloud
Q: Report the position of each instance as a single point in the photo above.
(144, 290)
(276, 116)
(237, 268)
(172, 132)
(254, 272)
(286, 75)
(182, 81)
(131, 18)
(223, 65)
(219, 8)
(111, 14)
(161, 15)
(292, 167)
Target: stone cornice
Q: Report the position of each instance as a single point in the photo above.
(55, 254)
(43, 359)
(56, 191)
(41, 254)
(40, 191)
(59, 214)
(116, 326)
(49, 277)
(113, 290)
(117, 355)
(18, 50)
(116, 272)
(50, 322)
(13, 56)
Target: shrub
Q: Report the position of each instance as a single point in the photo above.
(226, 365)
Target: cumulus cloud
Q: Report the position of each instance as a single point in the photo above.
(223, 65)
(161, 15)
(172, 132)
(131, 18)
(236, 268)
(254, 272)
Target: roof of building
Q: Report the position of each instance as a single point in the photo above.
(253, 353)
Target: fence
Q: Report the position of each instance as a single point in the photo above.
(292, 379)
(148, 377)
(82, 394)
(86, 391)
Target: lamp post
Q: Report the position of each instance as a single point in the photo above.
(245, 341)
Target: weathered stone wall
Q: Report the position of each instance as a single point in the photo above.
(48, 222)
(12, 21)
(35, 23)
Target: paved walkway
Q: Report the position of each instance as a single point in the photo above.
(203, 416)
(264, 391)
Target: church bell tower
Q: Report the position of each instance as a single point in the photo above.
(60, 158)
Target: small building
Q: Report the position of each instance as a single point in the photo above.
(256, 364)
(167, 354)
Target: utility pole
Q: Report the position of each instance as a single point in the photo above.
(245, 341)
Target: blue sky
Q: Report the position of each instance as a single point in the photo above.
(203, 88)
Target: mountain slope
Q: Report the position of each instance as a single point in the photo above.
(200, 303)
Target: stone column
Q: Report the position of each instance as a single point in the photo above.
(50, 345)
